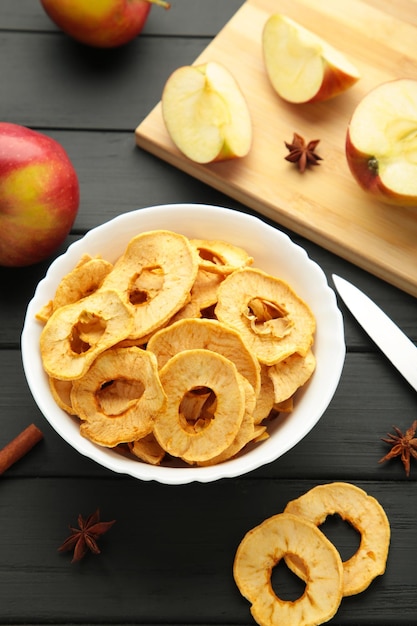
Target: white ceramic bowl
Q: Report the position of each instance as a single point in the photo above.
(273, 252)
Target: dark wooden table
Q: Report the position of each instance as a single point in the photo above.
(168, 559)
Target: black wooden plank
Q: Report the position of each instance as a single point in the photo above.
(119, 87)
(168, 558)
(185, 18)
(133, 179)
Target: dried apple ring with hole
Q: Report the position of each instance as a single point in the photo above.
(199, 369)
(118, 397)
(46, 311)
(77, 284)
(366, 516)
(246, 432)
(290, 374)
(82, 281)
(273, 321)
(220, 256)
(264, 546)
(77, 333)
(155, 275)
(212, 335)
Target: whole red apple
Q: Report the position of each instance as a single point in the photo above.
(103, 24)
(39, 195)
(381, 142)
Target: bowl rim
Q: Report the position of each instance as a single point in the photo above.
(191, 214)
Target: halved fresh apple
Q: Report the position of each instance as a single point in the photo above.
(206, 114)
(301, 66)
(381, 142)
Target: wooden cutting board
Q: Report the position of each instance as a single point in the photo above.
(324, 204)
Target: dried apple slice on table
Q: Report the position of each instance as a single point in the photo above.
(206, 113)
(260, 551)
(364, 513)
(301, 66)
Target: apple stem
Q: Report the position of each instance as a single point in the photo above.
(160, 3)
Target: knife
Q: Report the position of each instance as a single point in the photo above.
(389, 338)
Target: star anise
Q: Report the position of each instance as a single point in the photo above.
(85, 536)
(403, 445)
(301, 153)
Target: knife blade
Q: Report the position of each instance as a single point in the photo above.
(389, 338)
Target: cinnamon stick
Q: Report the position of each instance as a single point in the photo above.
(19, 446)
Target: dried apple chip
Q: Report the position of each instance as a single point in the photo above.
(290, 374)
(203, 296)
(266, 398)
(286, 406)
(246, 432)
(260, 433)
(147, 449)
(82, 281)
(197, 369)
(77, 333)
(45, 312)
(220, 256)
(364, 513)
(61, 392)
(75, 285)
(273, 320)
(155, 275)
(264, 546)
(188, 334)
(118, 397)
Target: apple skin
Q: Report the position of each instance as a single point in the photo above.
(100, 24)
(335, 82)
(364, 169)
(39, 195)
(302, 66)
(381, 133)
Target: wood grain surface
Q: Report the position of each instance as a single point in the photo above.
(326, 206)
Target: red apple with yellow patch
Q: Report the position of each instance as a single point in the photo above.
(101, 23)
(301, 66)
(39, 195)
(381, 142)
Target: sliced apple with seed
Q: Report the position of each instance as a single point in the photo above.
(381, 142)
(206, 113)
(301, 66)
